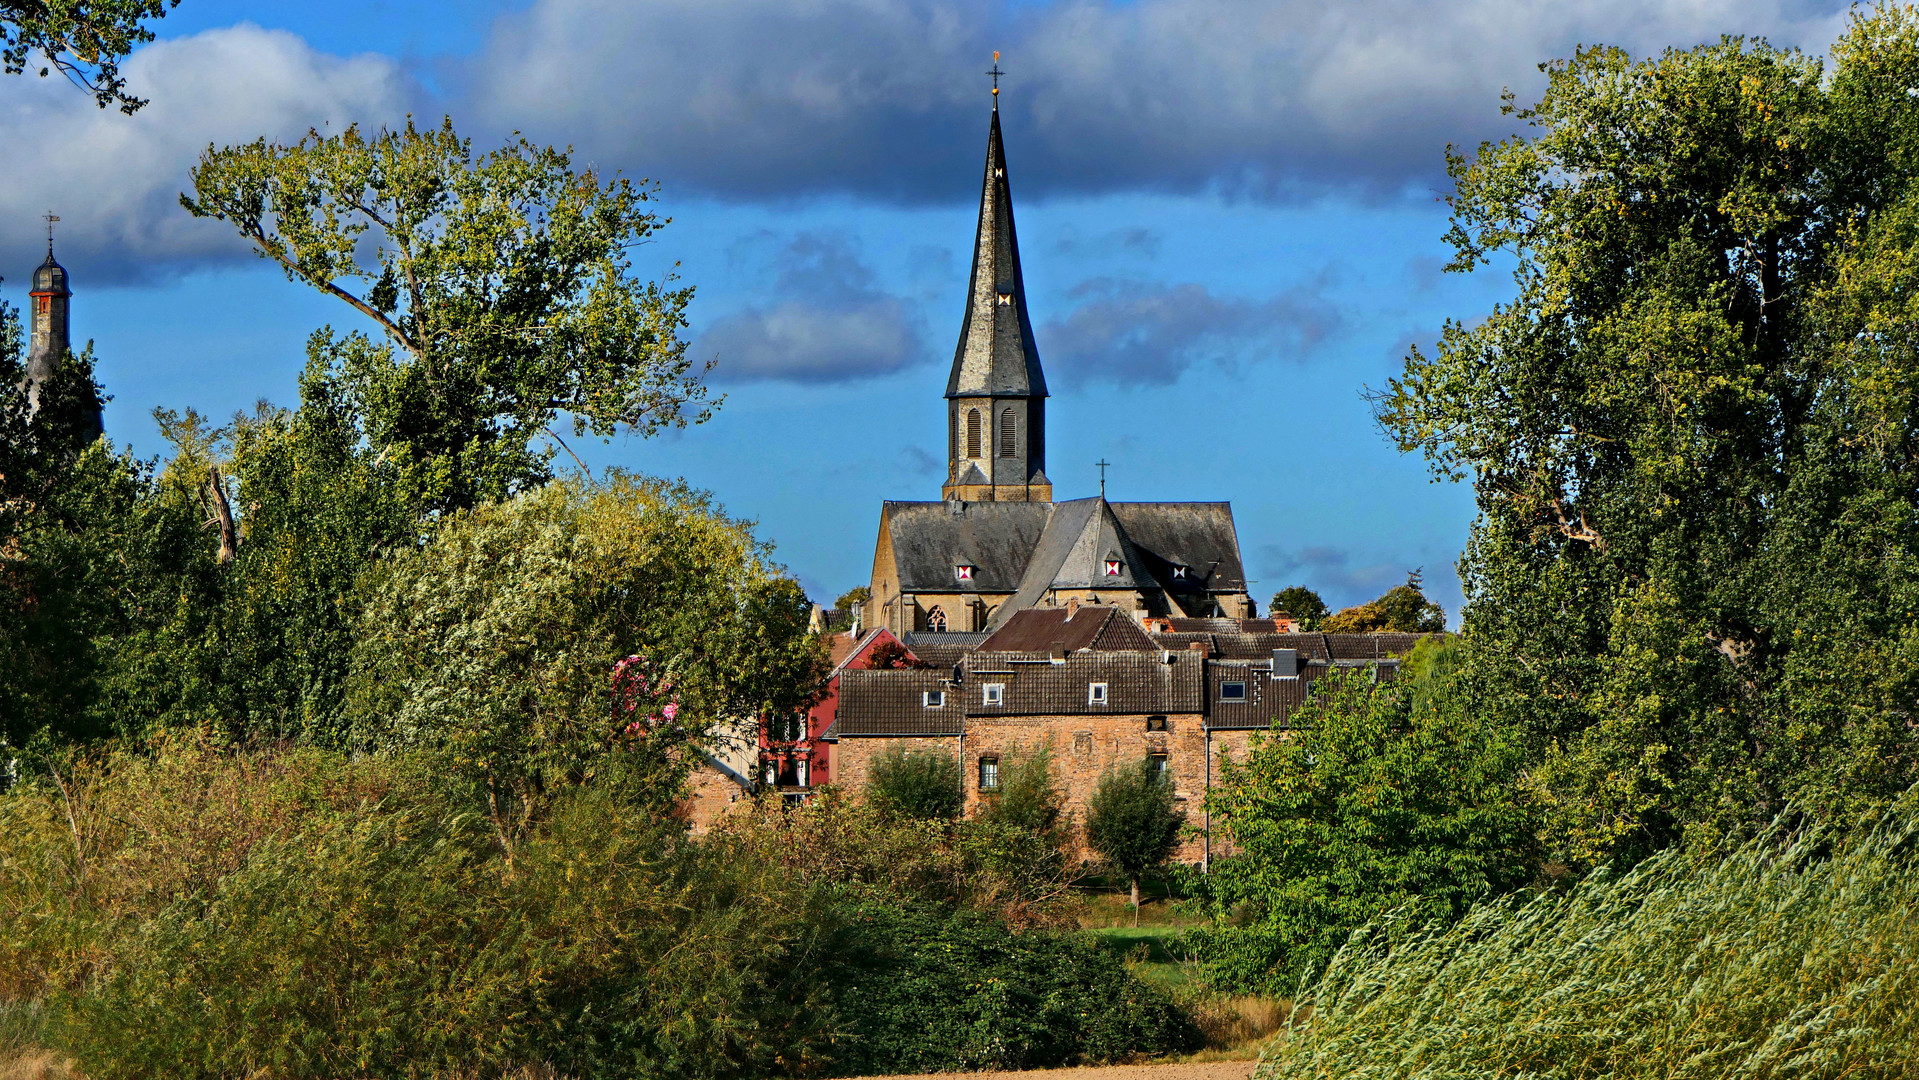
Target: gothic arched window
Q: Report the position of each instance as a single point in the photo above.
(972, 433)
(936, 620)
(1008, 434)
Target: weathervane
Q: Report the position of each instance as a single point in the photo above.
(996, 73)
(51, 218)
(1102, 463)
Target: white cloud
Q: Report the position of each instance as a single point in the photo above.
(115, 180)
(884, 97)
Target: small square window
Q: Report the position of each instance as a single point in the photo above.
(1096, 693)
(993, 693)
(963, 572)
(1232, 691)
(1112, 567)
(933, 699)
(989, 774)
(1156, 723)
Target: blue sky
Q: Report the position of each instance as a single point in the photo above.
(1229, 212)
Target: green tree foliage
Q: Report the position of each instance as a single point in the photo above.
(84, 40)
(1404, 609)
(1132, 821)
(1789, 956)
(859, 595)
(1690, 432)
(1028, 797)
(1369, 804)
(501, 286)
(1302, 604)
(920, 785)
(493, 647)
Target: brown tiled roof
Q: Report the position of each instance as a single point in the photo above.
(1041, 630)
(942, 650)
(890, 703)
(1268, 701)
(1136, 683)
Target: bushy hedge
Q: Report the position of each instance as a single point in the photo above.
(929, 989)
(198, 913)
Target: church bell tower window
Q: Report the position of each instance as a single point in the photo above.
(972, 433)
(1008, 434)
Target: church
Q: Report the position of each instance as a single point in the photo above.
(997, 543)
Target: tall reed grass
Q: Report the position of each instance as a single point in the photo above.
(1795, 955)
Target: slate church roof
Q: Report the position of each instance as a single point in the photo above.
(996, 356)
(1028, 548)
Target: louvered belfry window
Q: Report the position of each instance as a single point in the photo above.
(1008, 434)
(972, 433)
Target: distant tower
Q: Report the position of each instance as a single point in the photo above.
(52, 338)
(996, 396)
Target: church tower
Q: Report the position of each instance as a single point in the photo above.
(50, 339)
(996, 396)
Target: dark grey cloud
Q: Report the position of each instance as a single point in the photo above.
(115, 180)
(832, 322)
(917, 461)
(1135, 242)
(1133, 332)
(770, 98)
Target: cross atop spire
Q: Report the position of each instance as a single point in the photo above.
(996, 73)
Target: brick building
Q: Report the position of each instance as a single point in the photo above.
(1100, 691)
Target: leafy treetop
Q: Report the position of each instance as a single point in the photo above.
(84, 40)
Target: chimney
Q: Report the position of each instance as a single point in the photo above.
(1072, 608)
(1058, 653)
(1201, 648)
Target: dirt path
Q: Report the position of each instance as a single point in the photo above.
(1206, 1070)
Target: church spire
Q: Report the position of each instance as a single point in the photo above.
(996, 393)
(996, 353)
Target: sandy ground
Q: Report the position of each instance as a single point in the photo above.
(1207, 1070)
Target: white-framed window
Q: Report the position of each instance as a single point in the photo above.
(1232, 691)
(933, 699)
(1112, 567)
(1096, 693)
(993, 693)
(989, 773)
(962, 572)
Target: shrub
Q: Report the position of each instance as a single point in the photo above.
(932, 989)
(1131, 821)
(1367, 805)
(1028, 798)
(917, 784)
(1793, 955)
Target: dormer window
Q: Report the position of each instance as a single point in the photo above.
(1112, 567)
(1096, 693)
(993, 693)
(963, 572)
(933, 699)
(1180, 572)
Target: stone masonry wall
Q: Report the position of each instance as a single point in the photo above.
(1083, 748)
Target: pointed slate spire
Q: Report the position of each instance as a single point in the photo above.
(996, 357)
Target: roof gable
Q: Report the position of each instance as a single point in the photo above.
(1093, 627)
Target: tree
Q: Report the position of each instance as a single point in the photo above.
(1370, 803)
(1132, 821)
(1302, 603)
(1028, 798)
(853, 596)
(1691, 431)
(501, 287)
(84, 40)
(922, 785)
(575, 632)
(890, 655)
(1404, 609)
